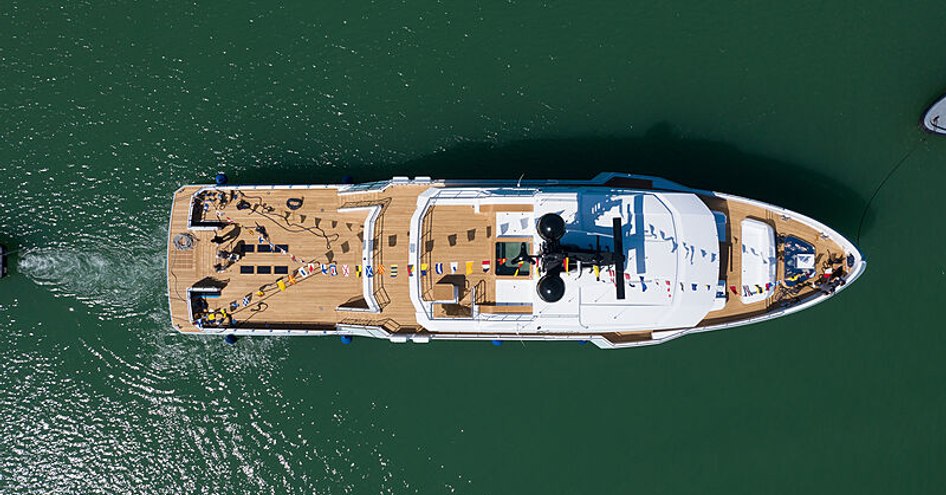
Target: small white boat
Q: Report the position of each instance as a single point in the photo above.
(935, 118)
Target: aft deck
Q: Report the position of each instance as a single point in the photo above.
(327, 231)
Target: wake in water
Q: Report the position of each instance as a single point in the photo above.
(123, 281)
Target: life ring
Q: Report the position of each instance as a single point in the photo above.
(294, 203)
(183, 242)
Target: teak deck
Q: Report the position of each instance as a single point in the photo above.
(737, 211)
(318, 233)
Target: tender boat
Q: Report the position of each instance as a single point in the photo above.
(935, 118)
(619, 260)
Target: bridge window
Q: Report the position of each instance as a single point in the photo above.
(506, 253)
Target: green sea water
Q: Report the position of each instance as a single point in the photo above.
(107, 107)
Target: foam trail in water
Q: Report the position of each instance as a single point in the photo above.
(121, 281)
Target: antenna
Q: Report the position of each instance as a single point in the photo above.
(519, 182)
(618, 257)
(598, 257)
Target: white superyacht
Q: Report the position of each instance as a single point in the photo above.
(619, 260)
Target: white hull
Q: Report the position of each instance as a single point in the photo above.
(935, 118)
(531, 325)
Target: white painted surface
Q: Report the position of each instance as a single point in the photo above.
(758, 260)
(515, 223)
(671, 249)
(805, 261)
(668, 240)
(935, 118)
(520, 291)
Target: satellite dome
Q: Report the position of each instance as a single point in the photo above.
(551, 287)
(551, 227)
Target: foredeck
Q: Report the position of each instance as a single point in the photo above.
(827, 255)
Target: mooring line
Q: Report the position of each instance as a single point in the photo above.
(880, 186)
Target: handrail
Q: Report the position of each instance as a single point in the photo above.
(373, 224)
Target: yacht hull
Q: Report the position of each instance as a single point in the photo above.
(422, 260)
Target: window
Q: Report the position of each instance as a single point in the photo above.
(505, 253)
(263, 270)
(280, 270)
(246, 269)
